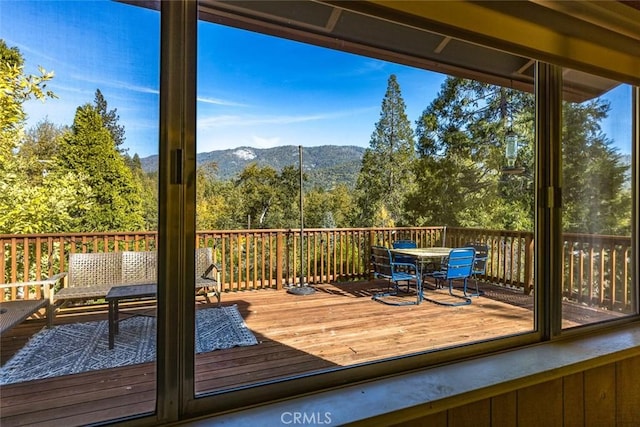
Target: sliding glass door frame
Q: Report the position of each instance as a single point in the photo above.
(176, 228)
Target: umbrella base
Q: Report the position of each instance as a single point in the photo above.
(301, 290)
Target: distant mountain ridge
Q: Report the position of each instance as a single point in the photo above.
(325, 165)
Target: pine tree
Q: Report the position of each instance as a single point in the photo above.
(110, 120)
(89, 150)
(386, 175)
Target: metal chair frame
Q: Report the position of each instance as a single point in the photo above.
(385, 267)
(479, 264)
(458, 267)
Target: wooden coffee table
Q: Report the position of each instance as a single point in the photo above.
(121, 293)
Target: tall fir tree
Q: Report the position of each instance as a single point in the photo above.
(110, 120)
(88, 149)
(387, 175)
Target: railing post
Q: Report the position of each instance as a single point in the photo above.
(279, 259)
(528, 265)
(368, 253)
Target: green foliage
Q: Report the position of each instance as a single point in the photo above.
(595, 198)
(147, 187)
(386, 175)
(461, 153)
(89, 150)
(27, 205)
(269, 199)
(110, 120)
(328, 209)
(258, 186)
(15, 89)
(56, 178)
(56, 204)
(38, 149)
(211, 208)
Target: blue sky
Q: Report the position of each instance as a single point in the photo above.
(253, 90)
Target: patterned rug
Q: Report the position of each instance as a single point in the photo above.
(80, 347)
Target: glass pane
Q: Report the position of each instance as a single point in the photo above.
(388, 153)
(596, 148)
(78, 199)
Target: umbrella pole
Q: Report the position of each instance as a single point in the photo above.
(301, 289)
(301, 220)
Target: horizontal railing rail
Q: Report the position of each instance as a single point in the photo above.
(596, 269)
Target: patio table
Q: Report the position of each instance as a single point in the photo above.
(422, 255)
(126, 292)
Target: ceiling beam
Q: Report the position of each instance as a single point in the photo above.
(527, 29)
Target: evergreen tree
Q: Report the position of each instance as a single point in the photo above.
(386, 175)
(461, 146)
(595, 200)
(461, 153)
(89, 150)
(110, 120)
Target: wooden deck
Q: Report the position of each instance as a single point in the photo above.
(337, 326)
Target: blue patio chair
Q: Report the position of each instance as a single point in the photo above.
(404, 244)
(459, 266)
(384, 266)
(479, 264)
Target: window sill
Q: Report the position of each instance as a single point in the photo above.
(406, 396)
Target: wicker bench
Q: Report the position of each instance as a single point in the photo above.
(90, 276)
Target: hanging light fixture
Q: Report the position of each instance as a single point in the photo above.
(511, 147)
(511, 153)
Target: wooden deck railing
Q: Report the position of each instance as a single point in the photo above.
(597, 269)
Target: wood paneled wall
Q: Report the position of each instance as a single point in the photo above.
(608, 395)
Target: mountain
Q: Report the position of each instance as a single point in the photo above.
(325, 165)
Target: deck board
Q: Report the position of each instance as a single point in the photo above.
(337, 326)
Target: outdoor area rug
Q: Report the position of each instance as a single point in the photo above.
(80, 347)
